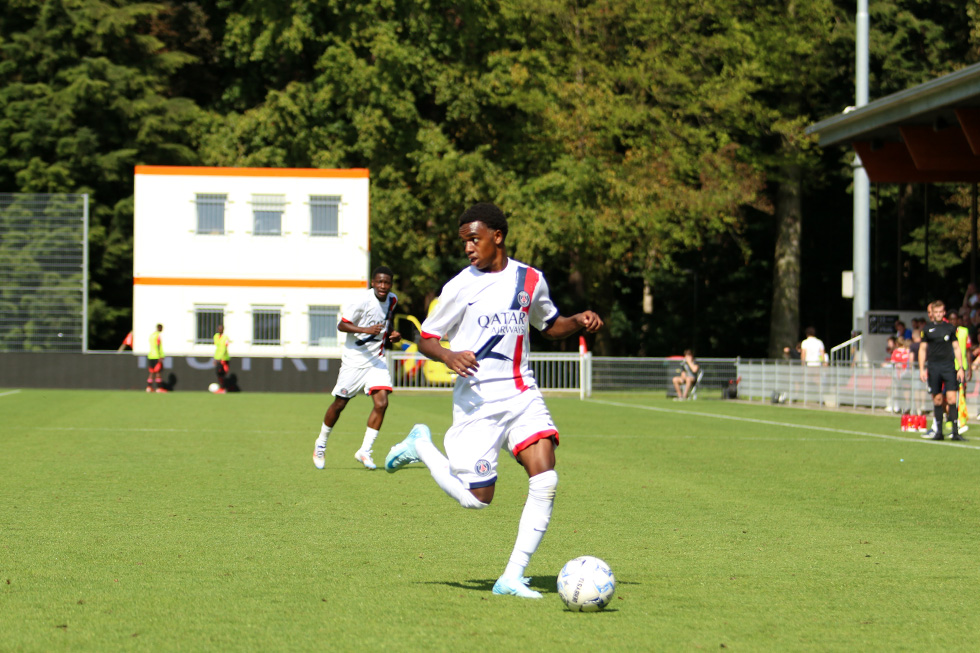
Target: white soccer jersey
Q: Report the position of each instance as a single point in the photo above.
(361, 349)
(489, 313)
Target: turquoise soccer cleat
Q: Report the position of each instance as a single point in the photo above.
(515, 587)
(404, 453)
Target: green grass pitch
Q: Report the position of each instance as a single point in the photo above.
(194, 522)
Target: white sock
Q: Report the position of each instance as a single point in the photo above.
(534, 521)
(324, 432)
(370, 435)
(438, 466)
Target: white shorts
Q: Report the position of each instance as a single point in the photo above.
(351, 380)
(474, 440)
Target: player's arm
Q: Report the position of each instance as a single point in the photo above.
(563, 326)
(922, 361)
(350, 327)
(462, 363)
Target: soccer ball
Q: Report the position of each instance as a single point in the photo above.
(214, 387)
(586, 584)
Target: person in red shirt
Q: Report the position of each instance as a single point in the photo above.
(900, 355)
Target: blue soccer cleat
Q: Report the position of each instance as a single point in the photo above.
(404, 452)
(515, 587)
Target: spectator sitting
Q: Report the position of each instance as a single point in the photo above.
(901, 331)
(890, 347)
(688, 373)
(900, 355)
(792, 353)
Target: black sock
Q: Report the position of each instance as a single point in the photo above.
(938, 414)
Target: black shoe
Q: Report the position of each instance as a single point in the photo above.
(957, 437)
(932, 436)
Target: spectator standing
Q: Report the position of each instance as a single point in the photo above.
(914, 344)
(154, 362)
(971, 299)
(222, 358)
(812, 348)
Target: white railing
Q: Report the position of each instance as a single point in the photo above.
(554, 372)
(848, 351)
(855, 383)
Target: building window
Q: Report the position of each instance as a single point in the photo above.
(266, 324)
(268, 210)
(207, 318)
(324, 215)
(323, 325)
(210, 213)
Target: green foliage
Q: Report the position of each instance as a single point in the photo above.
(83, 98)
(627, 140)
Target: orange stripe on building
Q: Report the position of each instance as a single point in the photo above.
(202, 171)
(250, 283)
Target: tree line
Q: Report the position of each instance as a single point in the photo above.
(650, 154)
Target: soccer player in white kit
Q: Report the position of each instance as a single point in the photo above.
(486, 312)
(367, 323)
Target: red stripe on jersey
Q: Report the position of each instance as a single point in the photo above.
(344, 319)
(540, 435)
(429, 336)
(530, 283)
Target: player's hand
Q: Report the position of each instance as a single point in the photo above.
(462, 363)
(374, 329)
(922, 375)
(394, 335)
(589, 320)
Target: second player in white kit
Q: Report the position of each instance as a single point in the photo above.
(367, 323)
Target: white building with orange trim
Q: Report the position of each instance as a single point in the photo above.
(270, 253)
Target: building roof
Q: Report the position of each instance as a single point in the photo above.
(927, 133)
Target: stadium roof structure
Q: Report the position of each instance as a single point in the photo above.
(928, 133)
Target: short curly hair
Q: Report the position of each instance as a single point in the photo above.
(487, 213)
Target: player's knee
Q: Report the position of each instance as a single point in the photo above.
(543, 485)
(472, 503)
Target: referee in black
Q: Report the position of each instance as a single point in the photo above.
(939, 349)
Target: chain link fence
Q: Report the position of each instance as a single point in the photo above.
(43, 272)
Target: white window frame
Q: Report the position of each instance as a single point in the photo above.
(268, 205)
(257, 312)
(207, 309)
(207, 203)
(323, 202)
(324, 312)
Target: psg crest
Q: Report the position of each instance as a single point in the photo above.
(523, 298)
(482, 467)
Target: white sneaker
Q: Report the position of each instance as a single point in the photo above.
(318, 455)
(364, 457)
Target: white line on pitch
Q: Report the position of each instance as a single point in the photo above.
(9, 392)
(783, 424)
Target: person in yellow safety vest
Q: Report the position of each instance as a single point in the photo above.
(154, 362)
(962, 363)
(221, 357)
